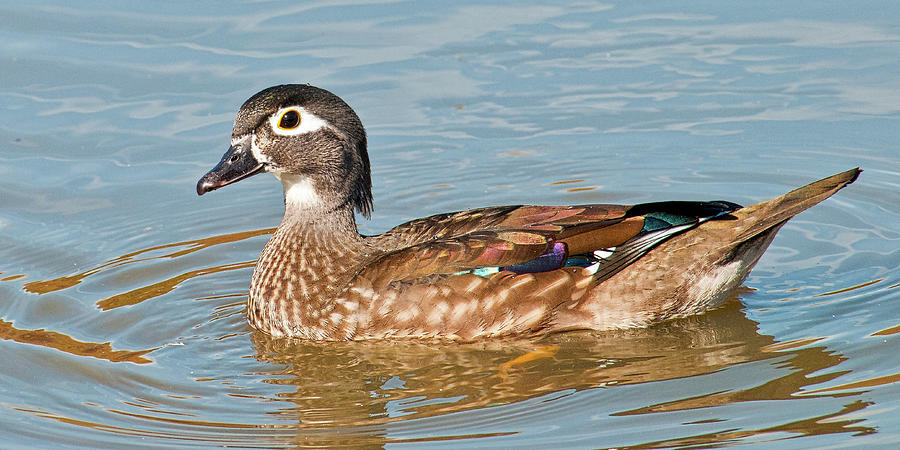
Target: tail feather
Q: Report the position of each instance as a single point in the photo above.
(696, 270)
(773, 212)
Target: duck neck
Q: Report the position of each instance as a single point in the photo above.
(311, 257)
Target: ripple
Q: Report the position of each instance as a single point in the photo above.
(156, 289)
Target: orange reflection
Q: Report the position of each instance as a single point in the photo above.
(872, 382)
(345, 384)
(851, 288)
(140, 294)
(542, 351)
(567, 182)
(887, 331)
(790, 345)
(815, 426)
(373, 384)
(62, 342)
(56, 284)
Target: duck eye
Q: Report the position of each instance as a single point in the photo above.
(289, 120)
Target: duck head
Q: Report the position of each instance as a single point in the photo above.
(309, 139)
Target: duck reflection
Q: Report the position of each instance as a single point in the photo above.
(361, 388)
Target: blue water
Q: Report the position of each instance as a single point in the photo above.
(122, 292)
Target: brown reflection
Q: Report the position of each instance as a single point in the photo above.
(851, 288)
(567, 181)
(142, 293)
(158, 434)
(805, 361)
(180, 249)
(364, 386)
(62, 342)
(887, 331)
(355, 373)
(870, 383)
(825, 424)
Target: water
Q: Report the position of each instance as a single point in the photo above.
(121, 291)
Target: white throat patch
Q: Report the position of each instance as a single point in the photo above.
(299, 191)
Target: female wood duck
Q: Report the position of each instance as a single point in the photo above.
(479, 273)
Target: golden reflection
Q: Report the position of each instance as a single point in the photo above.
(851, 288)
(158, 434)
(789, 345)
(181, 249)
(804, 362)
(815, 426)
(887, 331)
(142, 293)
(85, 423)
(542, 351)
(870, 383)
(366, 386)
(62, 342)
(567, 182)
(193, 422)
(352, 383)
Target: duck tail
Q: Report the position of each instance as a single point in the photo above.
(696, 270)
(769, 214)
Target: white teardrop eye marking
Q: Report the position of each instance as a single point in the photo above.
(295, 120)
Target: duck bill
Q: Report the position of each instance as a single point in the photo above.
(237, 164)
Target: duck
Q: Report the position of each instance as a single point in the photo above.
(481, 273)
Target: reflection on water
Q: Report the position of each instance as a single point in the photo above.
(375, 393)
(387, 377)
(66, 344)
(368, 386)
(412, 392)
(816, 426)
(163, 287)
(157, 289)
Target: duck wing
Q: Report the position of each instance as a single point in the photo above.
(534, 218)
(533, 239)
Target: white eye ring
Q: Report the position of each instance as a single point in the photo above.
(309, 122)
(289, 120)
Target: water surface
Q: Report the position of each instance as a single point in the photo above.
(122, 293)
